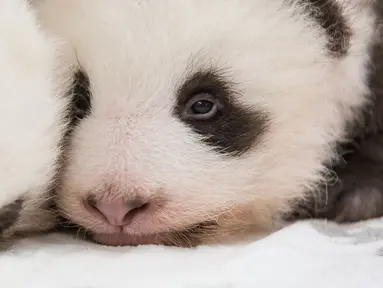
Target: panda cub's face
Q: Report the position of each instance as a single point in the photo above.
(200, 119)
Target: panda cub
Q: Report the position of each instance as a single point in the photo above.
(216, 121)
(32, 121)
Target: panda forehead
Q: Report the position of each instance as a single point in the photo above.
(148, 68)
(164, 40)
(157, 49)
(159, 24)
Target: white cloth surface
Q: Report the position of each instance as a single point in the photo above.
(307, 254)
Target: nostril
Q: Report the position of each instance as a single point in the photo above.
(134, 207)
(135, 204)
(117, 212)
(91, 205)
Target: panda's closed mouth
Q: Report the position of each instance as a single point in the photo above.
(123, 239)
(186, 238)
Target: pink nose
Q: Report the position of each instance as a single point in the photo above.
(118, 212)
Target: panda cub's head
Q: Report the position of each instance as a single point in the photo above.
(201, 120)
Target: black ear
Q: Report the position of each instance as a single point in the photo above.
(330, 16)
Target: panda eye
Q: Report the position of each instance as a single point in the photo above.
(202, 106)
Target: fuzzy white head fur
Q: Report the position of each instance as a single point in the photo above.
(137, 55)
(32, 124)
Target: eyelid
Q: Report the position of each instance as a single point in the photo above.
(201, 96)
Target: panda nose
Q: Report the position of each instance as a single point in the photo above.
(117, 212)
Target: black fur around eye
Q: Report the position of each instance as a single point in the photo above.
(81, 97)
(209, 104)
(202, 106)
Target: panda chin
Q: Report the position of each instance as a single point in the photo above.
(187, 238)
(123, 239)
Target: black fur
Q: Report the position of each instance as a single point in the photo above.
(81, 98)
(329, 15)
(236, 128)
(9, 214)
(357, 194)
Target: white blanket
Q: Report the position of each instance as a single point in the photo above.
(307, 255)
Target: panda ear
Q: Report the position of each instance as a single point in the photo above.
(331, 17)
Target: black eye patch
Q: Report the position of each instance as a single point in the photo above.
(81, 97)
(209, 105)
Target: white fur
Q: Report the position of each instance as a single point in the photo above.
(137, 53)
(31, 109)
